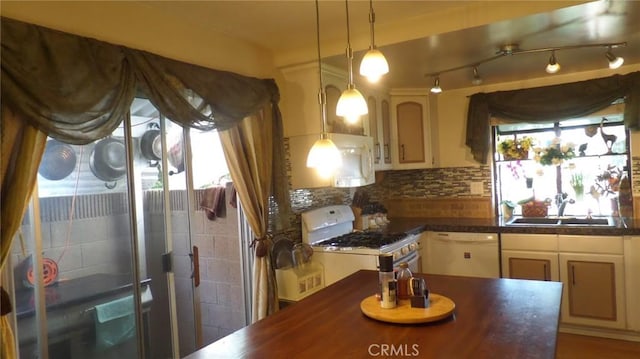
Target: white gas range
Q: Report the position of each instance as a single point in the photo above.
(342, 251)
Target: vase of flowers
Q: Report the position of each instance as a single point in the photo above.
(577, 185)
(515, 148)
(555, 153)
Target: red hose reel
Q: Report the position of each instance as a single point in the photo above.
(49, 272)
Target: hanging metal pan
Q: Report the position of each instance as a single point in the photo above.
(151, 146)
(58, 161)
(108, 160)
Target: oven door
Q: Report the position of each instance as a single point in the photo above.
(414, 261)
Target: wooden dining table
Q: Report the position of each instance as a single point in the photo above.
(493, 318)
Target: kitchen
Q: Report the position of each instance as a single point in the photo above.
(451, 105)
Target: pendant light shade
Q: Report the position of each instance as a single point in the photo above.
(374, 65)
(351, 104)
(324, 156)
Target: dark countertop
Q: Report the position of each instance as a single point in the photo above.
(66, 293)
(496, 225)
(493, 318)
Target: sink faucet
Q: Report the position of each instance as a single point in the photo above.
(561, 202)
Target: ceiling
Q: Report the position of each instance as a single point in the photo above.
(423, 37)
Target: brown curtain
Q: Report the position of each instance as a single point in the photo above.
(550, 104)
(250, 149)
(78, 90)
(22, 148)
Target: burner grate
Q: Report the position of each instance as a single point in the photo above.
(363, 239)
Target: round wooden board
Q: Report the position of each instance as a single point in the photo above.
(440, 307)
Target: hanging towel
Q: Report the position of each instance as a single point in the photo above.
(213, 202)
(115, 322)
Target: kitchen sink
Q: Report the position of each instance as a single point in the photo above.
(535, 220)
(585, 221)
(561, 221)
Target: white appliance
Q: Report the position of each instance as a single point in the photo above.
(464, 254)
(329, 231)
(357, 161)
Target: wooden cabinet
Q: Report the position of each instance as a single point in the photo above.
(590, 267)
(591, 288)
(530, 256)
(410, 130)
(592, 270)
(521, 265)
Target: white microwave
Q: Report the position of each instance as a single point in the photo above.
(357, 161)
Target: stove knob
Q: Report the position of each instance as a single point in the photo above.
(404, 250)
(413, 246)
(395, 256)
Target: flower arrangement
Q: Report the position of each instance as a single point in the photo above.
(516, 148)
(608, 182)
(555, 153)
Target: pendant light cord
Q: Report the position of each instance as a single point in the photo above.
(372, 20)
(349, 50)
(322, 98)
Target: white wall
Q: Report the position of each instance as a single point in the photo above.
(140, 26)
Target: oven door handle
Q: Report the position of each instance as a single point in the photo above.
(407, 258)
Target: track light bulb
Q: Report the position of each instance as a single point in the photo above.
(553, 66)
(436, 86)
(614, 61)
(477, 80)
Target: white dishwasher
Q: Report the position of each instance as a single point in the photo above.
(462, 253)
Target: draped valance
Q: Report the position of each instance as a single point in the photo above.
(78, 90)
(550, 104)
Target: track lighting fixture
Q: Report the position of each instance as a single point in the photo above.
(553, 66)
(324, 156)
(436, 85)
(373, 64)
(614, 61)
(477, 80)
(351, 104)
(513, 49)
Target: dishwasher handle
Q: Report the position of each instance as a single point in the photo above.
(464, 238)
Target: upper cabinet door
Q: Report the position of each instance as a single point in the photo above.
(410, 132)
(410, 129)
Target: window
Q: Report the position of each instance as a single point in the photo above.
(573, 167)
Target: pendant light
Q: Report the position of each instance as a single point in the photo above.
(373, 65)
(324, 156)
(351, 104)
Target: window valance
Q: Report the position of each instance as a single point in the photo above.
(78, 89)
(550, 104)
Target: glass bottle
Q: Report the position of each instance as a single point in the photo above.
(404, 280)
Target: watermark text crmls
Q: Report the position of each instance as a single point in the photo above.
(394, 350)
